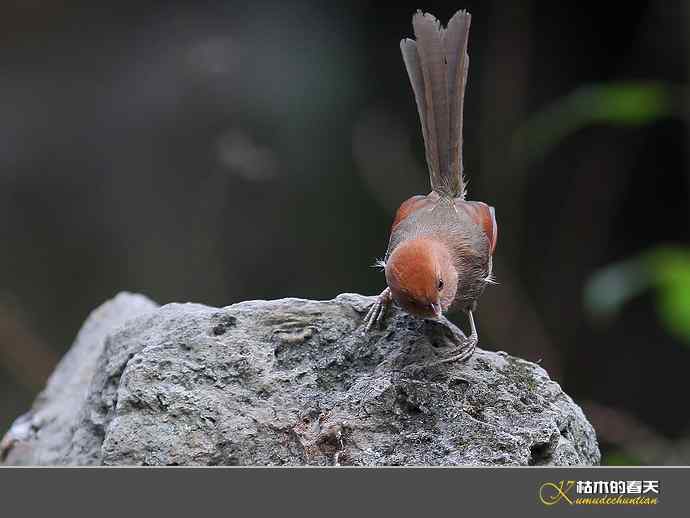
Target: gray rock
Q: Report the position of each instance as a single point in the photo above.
(42, 435)
(294, 382)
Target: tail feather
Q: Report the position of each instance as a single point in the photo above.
(429, 35)
(437, 65)
(455, 45)
(414, 71)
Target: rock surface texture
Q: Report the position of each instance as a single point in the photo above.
(289, 382)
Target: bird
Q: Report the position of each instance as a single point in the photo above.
(441, 245)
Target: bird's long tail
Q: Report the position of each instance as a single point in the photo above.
(437, 64)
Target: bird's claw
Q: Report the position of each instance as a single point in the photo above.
(466, 350)
(377, 311)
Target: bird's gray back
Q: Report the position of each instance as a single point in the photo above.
(464, 238)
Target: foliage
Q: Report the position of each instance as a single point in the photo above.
(664, 270)
(626, 104)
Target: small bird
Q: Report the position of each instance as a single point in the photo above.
(441, 245)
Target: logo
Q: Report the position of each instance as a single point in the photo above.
(600, 492)
(551, 493)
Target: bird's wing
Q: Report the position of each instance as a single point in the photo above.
(483, 215)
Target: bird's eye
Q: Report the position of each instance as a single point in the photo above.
(440, 284)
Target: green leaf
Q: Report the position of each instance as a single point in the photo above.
(627, 104)
(666, 270)
(620, 104)
(671, 270)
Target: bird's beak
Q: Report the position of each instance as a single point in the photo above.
(437, 310)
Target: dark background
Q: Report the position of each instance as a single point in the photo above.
(217, 152)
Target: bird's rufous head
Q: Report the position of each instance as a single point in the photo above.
(422, 277)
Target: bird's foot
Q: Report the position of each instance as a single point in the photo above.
(377, 311)
(464, 351)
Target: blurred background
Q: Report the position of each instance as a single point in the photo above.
(222, 151)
